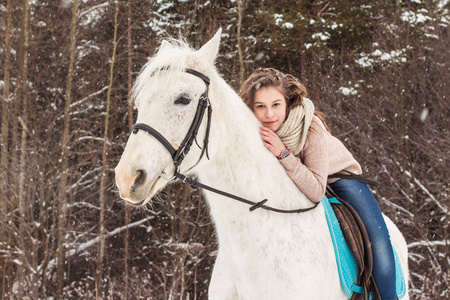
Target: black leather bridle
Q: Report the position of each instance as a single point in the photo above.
(179, 154)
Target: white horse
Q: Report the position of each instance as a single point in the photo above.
(261, 254)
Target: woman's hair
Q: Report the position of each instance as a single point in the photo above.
(287, 84)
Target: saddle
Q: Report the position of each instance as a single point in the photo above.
(358, 241)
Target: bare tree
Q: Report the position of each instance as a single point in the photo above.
(5, 108)
(240, 3)
(104, 169)
(23, 232)
(4, 174)
(64, 169)
(130, 125)
(24, 117)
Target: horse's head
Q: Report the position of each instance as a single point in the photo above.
(166, 97)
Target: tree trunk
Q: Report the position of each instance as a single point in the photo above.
(4, 191)
(104, 170)
(62, 197)
(241, 59)
(5, 111)
(130, 125)
(23, 150)
(24, 118)
(303, 78)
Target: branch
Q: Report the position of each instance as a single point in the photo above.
(428, 243)
(88, 97)
(425, 190)
(89, 10)
(84, 246)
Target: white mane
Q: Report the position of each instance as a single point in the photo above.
(174, 53)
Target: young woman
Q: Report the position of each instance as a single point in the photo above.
(298, 136)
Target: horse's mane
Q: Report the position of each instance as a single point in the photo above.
(173, 55)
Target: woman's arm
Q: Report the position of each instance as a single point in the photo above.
(311, 175)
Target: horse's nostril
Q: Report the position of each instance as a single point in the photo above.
(140, 179)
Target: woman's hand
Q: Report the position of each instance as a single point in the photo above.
(271, 141)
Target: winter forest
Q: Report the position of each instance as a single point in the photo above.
(379, 70)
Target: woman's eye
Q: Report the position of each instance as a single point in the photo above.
(183, 100)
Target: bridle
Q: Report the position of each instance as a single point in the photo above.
(179, 154)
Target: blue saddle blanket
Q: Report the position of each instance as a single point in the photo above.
(347, 266)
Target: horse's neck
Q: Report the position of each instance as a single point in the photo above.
(241, 164)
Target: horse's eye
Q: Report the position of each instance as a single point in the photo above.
(183, 100)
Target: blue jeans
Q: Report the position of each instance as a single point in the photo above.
(359, 196)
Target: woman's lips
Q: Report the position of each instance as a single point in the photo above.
(270, 123)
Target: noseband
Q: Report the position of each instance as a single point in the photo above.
(179, 154)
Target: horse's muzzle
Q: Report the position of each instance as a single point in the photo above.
(132, 185)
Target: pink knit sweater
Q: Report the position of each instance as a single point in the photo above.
(322, 155)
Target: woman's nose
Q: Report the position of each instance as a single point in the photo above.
(269, 113)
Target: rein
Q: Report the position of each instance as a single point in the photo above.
(179, 154)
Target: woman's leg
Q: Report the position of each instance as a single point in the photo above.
(359, 196)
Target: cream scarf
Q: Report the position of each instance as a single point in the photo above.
(294, 130)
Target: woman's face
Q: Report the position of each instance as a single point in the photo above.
(270, 107)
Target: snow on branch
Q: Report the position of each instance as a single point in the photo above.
(425, 190)
(89, 96)
(86, 245)
(91, 12)
(397, 185)
(81, 178)
(428, 243)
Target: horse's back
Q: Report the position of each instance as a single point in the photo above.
(291, 257)
(399, 243)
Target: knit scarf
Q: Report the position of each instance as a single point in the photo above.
(295, 128)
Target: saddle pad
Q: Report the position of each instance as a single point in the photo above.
(347, 266)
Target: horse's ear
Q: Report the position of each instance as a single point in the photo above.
(208, 52)
(164, 45)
